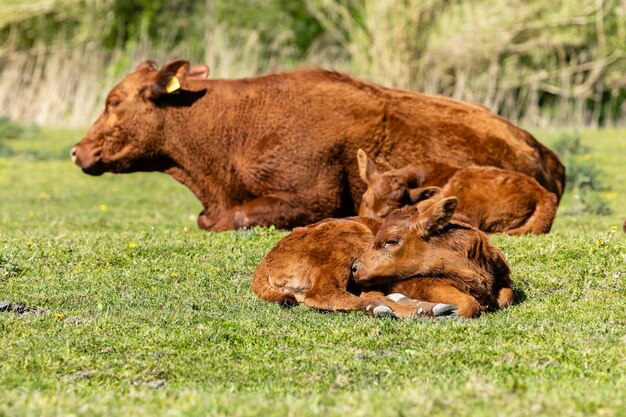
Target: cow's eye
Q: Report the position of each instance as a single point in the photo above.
(113, 103)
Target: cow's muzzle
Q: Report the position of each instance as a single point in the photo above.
(88, 161)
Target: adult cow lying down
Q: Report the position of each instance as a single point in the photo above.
(279, 149)
(491, 199)
(416, 253)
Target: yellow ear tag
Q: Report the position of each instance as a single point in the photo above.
(173, 85)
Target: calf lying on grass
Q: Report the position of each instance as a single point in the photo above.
(492, 199)
(419, 252)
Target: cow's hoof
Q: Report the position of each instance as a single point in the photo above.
(242, 221)
(382, 311)
(205, 222)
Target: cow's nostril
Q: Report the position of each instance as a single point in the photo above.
(73, 153)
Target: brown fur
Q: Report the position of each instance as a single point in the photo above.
(492, 199)
(423, 255)
(278, 149)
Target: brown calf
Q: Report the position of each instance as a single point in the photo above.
(492, 199)
(423, 253)
(420, 254)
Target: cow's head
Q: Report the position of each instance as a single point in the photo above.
(128, 135)
(390, 190)
(404, 244)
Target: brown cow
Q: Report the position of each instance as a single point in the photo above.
(492, 199)
(278, 149)
(423, 255)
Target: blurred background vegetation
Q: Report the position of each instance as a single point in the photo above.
(539, 63)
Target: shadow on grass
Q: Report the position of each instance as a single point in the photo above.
(520, 295)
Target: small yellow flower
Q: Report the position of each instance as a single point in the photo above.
(58, 315)
(43, 194)
(29, 244)
(132, 245)
(174, 274)
(102, 207)
(613, 227)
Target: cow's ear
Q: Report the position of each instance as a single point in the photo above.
(199, 72)
(170, 78)
(367, 168)
(438, 216)
(147, 65)
(424, 193)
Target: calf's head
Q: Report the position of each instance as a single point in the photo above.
(405, 242)
(390, 190)
(128, 135)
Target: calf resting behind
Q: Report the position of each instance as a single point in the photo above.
(492, 199)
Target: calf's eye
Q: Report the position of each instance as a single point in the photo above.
(391, 242)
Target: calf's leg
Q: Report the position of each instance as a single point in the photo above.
(403, 306)
(339, 300)
(439, 290)
(505, 297)
(541, 219)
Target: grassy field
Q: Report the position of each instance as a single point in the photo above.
(135, 312)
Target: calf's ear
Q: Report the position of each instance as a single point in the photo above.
(169, 79)
(367, 168)
(424, 193)
(424, 205)
(438, 216)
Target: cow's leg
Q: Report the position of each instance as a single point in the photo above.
(439, 290)
(339, 300)
(403, 306)
(213, 222)
(267, 211)
(262, 211)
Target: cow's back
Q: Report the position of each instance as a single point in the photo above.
(281, 130)
(457, 133)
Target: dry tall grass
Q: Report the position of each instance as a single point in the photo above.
(65, 85)
(539, 63)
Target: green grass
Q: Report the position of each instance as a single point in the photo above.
(145, 315)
